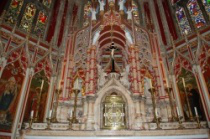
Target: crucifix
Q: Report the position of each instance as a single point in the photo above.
(112, 48)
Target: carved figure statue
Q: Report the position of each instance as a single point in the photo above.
(129, 13)
(93, 14)
(102, 76)
(124, 79)
(128, 36)
(96, 36)
(102, 4)
(121, 4)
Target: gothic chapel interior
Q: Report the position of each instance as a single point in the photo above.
(104, 68)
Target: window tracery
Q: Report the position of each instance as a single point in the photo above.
(13, 11)
(196, 13)
(28, 17)
(182, 20)
(41, 23)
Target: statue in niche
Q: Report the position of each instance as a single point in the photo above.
(124, 77)
(121, 4)
(129, 13)
(93, 14)
(112, 48)
(102, 4)
(102, 76)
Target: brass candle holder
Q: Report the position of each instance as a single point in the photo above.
(152, 91)
(54, 118)
(30, 123)
(188, 105)
(70, 124)
(39, 95)
(180, 122)
(48, 123)
(198, 121)
(158, 120)
(74, 118)
(169, 91)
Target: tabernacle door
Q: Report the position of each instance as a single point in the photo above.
(114, 112)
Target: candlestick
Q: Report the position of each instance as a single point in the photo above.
(55, 106)
(167, 83)
(48, 124)
(76, 84)
(70, 113)
(177, 109)
(196, 112)
(180, 122)
(59, 86)
(30, 123)
(50, 114)
(150, 83)
(42, 85)
(32, 114)
(198, 121)
(156, 112)
(183, 81)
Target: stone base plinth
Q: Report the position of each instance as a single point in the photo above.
(187, 133)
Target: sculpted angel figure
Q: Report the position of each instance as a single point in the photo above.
(102, 4)
(121, 4)
(93, 14)
(129, 13)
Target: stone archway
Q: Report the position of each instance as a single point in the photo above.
(107, 90)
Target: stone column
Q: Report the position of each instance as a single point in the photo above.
(92, 70)
(90, 114)
(51, 91)
(67, 21)
(173, 14)
(203, 91)
(59, 18)
(22, 101)
(134, 69)
(139, 83)
(3, 63)
(141, 13)
(87, 78)
(165, 24)
(176, 93)
(158, 61)
(80, 13)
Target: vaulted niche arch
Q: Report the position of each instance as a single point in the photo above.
(112, 35)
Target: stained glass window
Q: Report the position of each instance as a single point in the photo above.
(41, 23)
(28, 17)
(13, 11)
(87, 13)
(47, 3)
(196, 13)
(135, 12)
(206, 3)
(183, 22)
